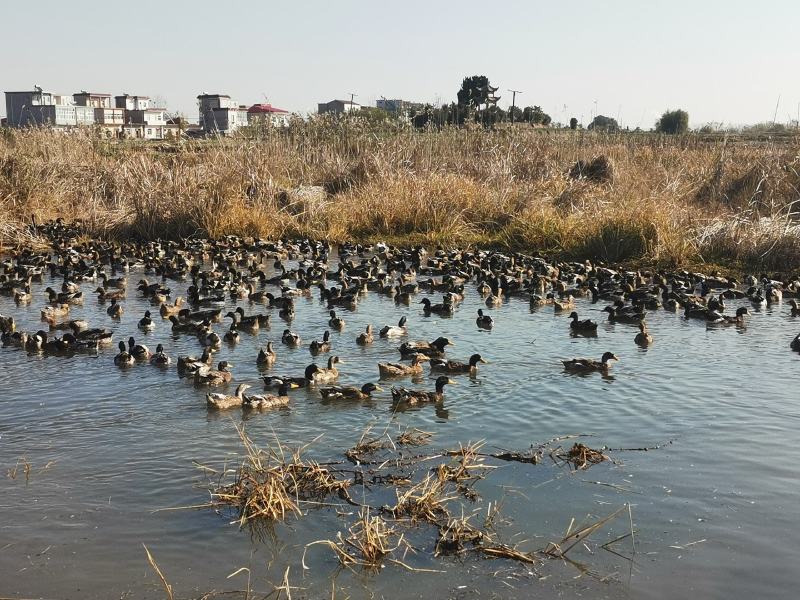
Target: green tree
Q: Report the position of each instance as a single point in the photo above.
(518, 113)
(474, 91)
(536, 116)
(573, 123)
(603, 123)
(673, 122)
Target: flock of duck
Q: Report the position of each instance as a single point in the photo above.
(236, 269)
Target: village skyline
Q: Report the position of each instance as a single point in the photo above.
(575, 61)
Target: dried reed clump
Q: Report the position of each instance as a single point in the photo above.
(270, 485)
(579, 457)
(425, 501)
(413, 437)
(599, 170)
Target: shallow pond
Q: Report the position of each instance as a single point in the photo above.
(715, 512)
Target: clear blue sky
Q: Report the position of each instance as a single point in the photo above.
(719, 60)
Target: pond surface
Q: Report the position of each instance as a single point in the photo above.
(715, 512)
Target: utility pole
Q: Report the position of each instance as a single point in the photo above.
(352, 95)
(513, 102)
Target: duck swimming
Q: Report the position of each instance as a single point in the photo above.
(366, 338)
(124, 358)
(484, 321)
(394, 331)
(267, 401)
(400, 369)
(290, 339)
(338, 392)
(146, 322)
(585, 325)
(587, 365)
(407, 396)
(160, 359)
(335, 322)
(454, 366)
(266, 356)
(225, 401)
(318, 347)
(643, 338)
(434, 349)
(208, 376)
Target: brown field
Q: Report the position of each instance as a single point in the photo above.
(652, 199)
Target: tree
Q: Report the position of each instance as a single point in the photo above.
(517, 113)
(673, 122)
(536, 116)
(603, 123)
(475, 91)
(573, 123)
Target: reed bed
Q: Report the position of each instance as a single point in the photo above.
(577, 195)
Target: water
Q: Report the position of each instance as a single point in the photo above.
(715, 511)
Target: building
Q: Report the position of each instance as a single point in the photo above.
(401, 108)
(127, 116)
(39, 108)
(266, 113)
(337, 107)
(220, 115)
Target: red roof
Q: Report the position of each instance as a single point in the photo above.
(265, 108)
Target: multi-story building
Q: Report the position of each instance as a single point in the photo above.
(266, 113)
(337, 107)
(218, 114)
(37, 108)
(401, 108)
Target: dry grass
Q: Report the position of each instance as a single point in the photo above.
(270, 485)
(635, 198)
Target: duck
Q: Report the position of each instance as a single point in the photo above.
(51, 312)
(585, 325)
(454, 366)
(115, 310)
(434, 349)
(167, 310)
(104, 295)
(324, 375)
(118, 282)
(399, 369)
(138, 351)
(218, 401)
(615, 316)
(184, 326)
(366, 338)
(291, 339)
(795, 343)
(335, 322)
(643, 338)
(192, 364)
(587, 365)
(444, 308)
(208, 376)
(795, 312)
(208, 337)
(160, 359)
(406, 396)
(317, 347)
(338, 392)
(146, 322)
(232, 335)
(394, 330)
(565, 304)
(737, 319)
(266, 356)
(267, 401)
(484, 321)
(124, 358)
(23, 296)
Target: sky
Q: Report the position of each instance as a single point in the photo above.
(726, 62)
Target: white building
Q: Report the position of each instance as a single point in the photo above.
(337, 107)
(37, 108)
(266, 113)
(218, 114)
